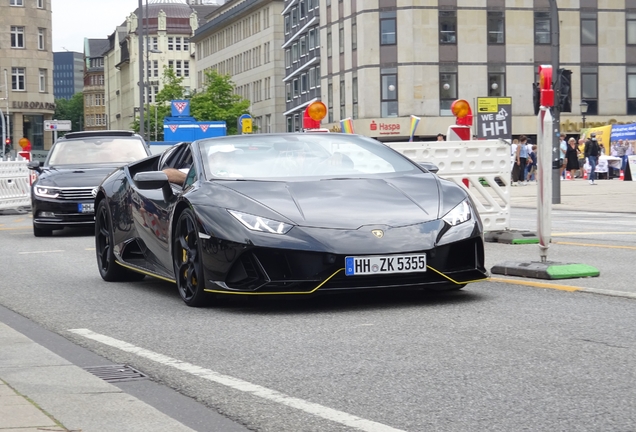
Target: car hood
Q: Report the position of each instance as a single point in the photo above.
(74, 176)
(348, 203)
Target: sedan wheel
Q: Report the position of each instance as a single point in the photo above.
(108, 268)
(188, 268)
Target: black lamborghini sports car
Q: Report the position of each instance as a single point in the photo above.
(286, 214)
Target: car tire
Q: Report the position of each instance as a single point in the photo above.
(187, 259)
(41, 232)
(109, 270)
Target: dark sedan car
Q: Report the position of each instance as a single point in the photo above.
(286, 214)
(63, 194)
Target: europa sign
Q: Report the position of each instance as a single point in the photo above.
(494, 118)
(385, 128)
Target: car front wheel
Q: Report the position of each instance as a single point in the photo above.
(188, 268)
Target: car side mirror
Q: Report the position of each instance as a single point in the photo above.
(430, 166)
(152, 180)
(35, 165)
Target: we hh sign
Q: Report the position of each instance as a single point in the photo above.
(494, 118)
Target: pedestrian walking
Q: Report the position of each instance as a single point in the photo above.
(514, 175)
(572, 158)
(592, 152)
(522, 156)
(563, 148)
(532, 164)
(581, 153)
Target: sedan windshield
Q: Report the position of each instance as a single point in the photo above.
(100, 150)
(300, 155)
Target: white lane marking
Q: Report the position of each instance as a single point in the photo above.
(40, 252)
(240, 385)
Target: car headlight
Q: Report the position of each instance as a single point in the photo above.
(257, 223)
(46, 192)
(458, 215)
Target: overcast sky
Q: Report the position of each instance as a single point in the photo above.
(73, 20)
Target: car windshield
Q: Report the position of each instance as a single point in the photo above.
(98, 150)
(264, 157)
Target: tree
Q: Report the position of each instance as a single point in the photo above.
(218, 102)
(71, 109)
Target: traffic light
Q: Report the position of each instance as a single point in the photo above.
(565, 90)
(536, 98)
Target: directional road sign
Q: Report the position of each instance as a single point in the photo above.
(57, 125)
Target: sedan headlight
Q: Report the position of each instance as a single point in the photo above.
(46, 192)
(257, 223)
(459, 214)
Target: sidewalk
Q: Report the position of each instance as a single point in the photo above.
(36, 382)
(610, 196)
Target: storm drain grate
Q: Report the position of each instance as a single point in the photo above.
(116, 373)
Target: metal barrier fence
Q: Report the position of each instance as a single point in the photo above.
(482, 168)
(15, 188)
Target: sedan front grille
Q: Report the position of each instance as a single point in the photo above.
(79, 193)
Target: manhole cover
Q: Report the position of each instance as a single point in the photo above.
(116, 373)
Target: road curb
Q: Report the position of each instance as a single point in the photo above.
(568, 288)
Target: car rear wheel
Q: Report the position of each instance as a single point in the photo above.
(108, 269)
(41, 232)
(188, 268)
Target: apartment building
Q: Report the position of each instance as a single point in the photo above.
(26, 70)
(385, 60)
(68, 74)
(94, 84)
(169, 26)
(243, 38)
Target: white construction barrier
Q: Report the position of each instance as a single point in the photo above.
(465, 163)
(15, 188)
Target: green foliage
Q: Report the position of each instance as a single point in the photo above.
(71, 109)
(172, 87)
(218, 102)
(149, 116)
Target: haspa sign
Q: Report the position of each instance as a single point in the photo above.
(385, 128)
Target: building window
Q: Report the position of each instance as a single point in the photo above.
(16, 3)
(290, 124)
(542, 28)
(329, 42)
(389, 88)
(41, 44)
(303, 46)
(312, 78)
(18, 75)
(304, 83)
(447, 88)
(496, 28)
(330, 101)
(288, 58)
(631, 89)
(354, 33)
(294, 17)
(295, 52)
(388, 27)
(341, 38)
(588, 28)
(343, 99)
(296, 88)
(288, 92)
(303, 9)
(354, 94)
(40, 4)
(17, 37)
(268, 123)
(42, 80)
(312, 39)
(448, 27)
(287, 25)
(589, 88)
(496, 81)
(631, 28)
(170, 44)
(317, 74)
(266, 46)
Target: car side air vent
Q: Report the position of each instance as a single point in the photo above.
(245, 273)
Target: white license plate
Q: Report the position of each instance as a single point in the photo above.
(374, 265)
(86, 207)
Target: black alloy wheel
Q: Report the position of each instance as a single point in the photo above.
(109, 270)
(188, 268)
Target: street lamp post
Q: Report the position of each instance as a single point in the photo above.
(583, 106)
(140, 39)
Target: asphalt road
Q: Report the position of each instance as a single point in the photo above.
(495, 356)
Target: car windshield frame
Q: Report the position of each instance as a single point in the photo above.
(106, 150)
(301, 156)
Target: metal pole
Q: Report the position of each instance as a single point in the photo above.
(6, 94)
(556, 151)
(4, 132)
(147, 70)
(156, 121)
(140, 58)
